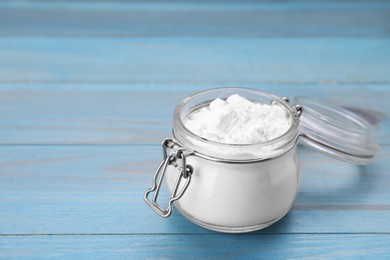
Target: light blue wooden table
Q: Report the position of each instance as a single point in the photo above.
(87, 92)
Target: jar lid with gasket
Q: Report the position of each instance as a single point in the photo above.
(336, 131)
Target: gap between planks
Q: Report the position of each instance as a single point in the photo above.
(197, 83)
(192, 234)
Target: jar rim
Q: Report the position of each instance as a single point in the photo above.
(288, 135)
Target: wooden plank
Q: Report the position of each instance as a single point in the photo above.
(99, 190)
(220, 20)
(76, 156)
(141, 113)
(196, 5)
(251, 246)
(193, 60)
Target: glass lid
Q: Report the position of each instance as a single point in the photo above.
(336, 131)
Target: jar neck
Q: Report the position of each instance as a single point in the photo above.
(232, 152)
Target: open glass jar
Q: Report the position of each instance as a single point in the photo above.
(246, 187)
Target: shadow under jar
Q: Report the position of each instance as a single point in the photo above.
(230, 188)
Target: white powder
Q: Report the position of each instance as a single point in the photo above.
(238, 197)
(237, 120)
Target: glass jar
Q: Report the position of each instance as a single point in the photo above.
(233, 187)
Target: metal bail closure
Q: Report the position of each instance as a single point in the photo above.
(185, 171)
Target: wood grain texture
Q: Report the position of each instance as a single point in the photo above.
(141, 113)
(194, 20)
(99, 190)
(193, 60)
(210, 246)
(87, 91)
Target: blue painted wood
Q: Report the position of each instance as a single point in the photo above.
(87, 91)
(193, 60)
(195, 5)
(318, 246)
(99, 190)
(192, 19)
(141, 113)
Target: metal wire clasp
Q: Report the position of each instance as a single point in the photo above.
(185, 171)
(298, 107)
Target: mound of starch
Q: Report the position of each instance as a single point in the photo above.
(238, 120)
